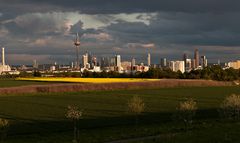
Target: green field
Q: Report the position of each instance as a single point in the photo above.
(41, 118)
(14, 83)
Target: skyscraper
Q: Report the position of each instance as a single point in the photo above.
(163, 62)
(85, 60)
(118, 62)
(196, 57)
(3, 56)
(133, 62)
(203, 61)
(149, 59)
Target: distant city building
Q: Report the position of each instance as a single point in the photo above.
(203, 61)
(163, 62)
(3, 66)
(133, 62)
(118, 62)
(35, 64)
(126, 65)
(193, 62)
(85, 60)
(177, 66)
(196, 57)
(188, 64)
(149, 59)
(235, 64)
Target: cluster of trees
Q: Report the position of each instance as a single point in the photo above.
(214, 73)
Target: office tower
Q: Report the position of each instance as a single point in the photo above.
(149, 59)
(203, 61)
(193, 62)
(163, 62)
(118, 60)
(185, 57)
(177, 66)
(133, 61)
(3, 56)
(35, 64)
(188, 64)
(94, 61)
(196, 57)
(85, 60)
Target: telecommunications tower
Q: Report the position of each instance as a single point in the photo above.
(77, 45)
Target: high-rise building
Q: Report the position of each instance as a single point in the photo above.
(193, 62)
(118, 62)
(3, 56)
(188, 65)
(185, 57)
(163, 62)
(177, 66)
(133, 62)
(85, 60)
(203, 61)
(149, 59)
(35, 64)
(196, 57)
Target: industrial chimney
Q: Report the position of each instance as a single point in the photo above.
(3, 57)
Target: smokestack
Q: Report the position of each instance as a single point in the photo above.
(3, 56)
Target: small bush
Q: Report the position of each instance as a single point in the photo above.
(186, 111)
(230, 108)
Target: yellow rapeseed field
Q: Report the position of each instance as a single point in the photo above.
(86, 80)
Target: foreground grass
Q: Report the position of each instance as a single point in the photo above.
(86, 80)
(41, 117)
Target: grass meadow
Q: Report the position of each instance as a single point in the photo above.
(40, 117)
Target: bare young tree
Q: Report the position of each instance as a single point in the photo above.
(74, 114)
(186, 112)
(4, 123)
(136, 106)
(231, 107)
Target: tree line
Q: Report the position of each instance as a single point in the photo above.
(210, 73)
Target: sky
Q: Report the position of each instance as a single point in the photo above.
(44, 29)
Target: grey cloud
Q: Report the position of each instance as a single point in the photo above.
(118, 6)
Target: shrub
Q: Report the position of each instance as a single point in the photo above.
(231, 107)
(186, 111)
(74, 114)
(136, 106)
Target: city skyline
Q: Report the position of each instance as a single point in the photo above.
(45, 30)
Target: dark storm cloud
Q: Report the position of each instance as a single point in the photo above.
(119, 6)
(46, 28)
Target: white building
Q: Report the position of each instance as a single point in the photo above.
(3, 66)
(177, 66)
(85, 60)
(118, 62)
